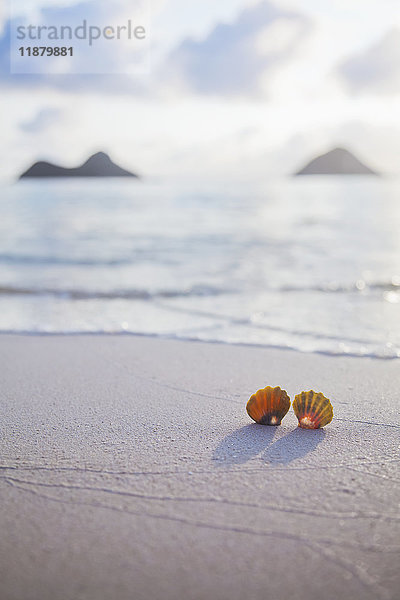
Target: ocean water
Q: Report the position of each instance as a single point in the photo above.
(309, 263)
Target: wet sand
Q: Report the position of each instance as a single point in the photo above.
(130, 470)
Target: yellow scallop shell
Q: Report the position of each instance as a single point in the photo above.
(268, 406)
(312, 409)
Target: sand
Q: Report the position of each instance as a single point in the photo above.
(130, 470)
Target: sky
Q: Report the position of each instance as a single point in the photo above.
(236, 89)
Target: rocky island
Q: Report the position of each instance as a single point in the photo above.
(98, 165)
(336, 162)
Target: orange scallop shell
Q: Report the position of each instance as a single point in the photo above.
(312, 409)
(268, 406)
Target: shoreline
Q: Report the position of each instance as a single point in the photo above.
(172, 338)
(129, 468)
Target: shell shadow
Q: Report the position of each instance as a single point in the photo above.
(243, 444)
(295, 444)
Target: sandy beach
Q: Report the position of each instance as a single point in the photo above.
(130, 470)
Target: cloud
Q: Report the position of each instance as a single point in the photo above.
(377, 70)
(239, 58)
(235, 58)
(44, 119)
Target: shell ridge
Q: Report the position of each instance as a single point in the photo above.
(268, 406)
(312, 410)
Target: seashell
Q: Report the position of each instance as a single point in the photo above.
(268, 406)
(312, 409)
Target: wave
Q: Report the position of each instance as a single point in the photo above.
(356, 287)
(131, 294)
(27, 259)
(199, 290)
(337, 288)
(250, 324)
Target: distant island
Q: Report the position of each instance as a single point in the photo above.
(336, 162)
(98, 165)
